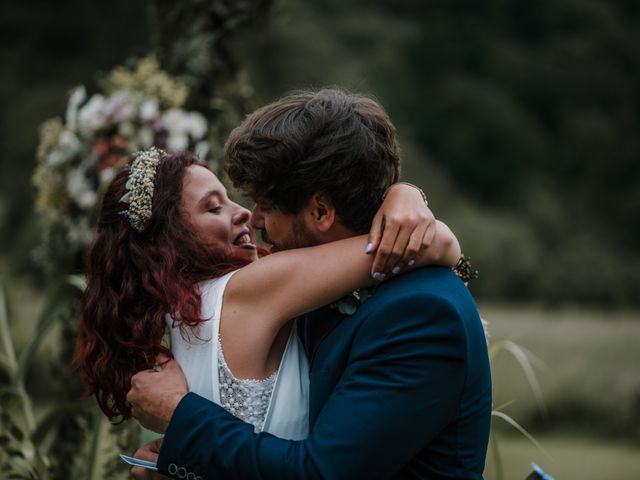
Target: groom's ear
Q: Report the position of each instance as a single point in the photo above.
(322, 213)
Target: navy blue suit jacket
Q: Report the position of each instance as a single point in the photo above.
(400, 389)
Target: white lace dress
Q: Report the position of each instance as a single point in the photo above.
(278, 404)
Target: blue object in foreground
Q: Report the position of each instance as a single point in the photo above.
(136, 462)
(538, 474)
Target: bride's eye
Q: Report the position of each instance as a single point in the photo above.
(217, 209)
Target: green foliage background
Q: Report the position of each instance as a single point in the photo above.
(519, 117)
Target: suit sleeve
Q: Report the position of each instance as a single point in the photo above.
(402, 386)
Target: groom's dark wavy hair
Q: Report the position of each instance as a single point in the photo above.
(328, 141)
(134, 279)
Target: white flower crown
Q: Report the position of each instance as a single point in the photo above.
(140, 187)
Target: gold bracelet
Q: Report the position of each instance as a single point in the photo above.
(424, 197)
(464, 270)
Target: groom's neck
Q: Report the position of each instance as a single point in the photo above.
(336, 232)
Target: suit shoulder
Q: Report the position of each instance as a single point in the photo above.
(422, 290)
(438, 282)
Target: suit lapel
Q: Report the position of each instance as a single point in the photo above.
(315, 326)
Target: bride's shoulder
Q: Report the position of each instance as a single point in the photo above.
(213, 284)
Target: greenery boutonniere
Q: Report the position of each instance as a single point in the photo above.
(349, 304)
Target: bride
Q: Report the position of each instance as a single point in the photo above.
(172, 250)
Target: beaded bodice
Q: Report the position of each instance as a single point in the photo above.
(277, 405)
(246, 399)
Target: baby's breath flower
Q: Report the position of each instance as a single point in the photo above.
(140, 187)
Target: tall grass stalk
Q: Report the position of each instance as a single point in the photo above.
(525, 359)
(12, 366)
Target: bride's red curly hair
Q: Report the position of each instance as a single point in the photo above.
(135, 279)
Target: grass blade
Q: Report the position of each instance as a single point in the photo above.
(57, 301)
(7, 343)
(497, 458)
(522, 430)
(522, 356)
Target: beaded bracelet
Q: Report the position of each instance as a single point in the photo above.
(464, 270)
(424, 196)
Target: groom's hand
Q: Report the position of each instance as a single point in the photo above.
(150, 453)
(403, 226)
(154, 395)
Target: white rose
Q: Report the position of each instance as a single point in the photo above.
(149, 110)
(69, 141)
(91, 117)
(107, 175)
(196, 125)
(175, 121)
(78, 95)
(120, 107)
(202, 149)
(178, 142)
(80, 190)
(55, 158)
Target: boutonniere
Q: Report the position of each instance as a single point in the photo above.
(349, 304)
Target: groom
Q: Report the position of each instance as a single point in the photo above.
(399, 389)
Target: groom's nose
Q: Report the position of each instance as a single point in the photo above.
(241, 215)
(257, 220)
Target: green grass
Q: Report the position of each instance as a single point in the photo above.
(572, 458)
(588, 368)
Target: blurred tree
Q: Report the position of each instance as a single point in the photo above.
(526, 111)
(195, 40)
(529, 108)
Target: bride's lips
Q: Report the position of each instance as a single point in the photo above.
(245, 240)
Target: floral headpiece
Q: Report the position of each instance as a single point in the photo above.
(139, 187)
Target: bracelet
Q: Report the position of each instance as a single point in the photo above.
(464, 270)
(424, 197)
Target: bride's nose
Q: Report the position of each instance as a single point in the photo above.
(241, 215)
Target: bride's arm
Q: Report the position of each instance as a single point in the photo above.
(261, 297)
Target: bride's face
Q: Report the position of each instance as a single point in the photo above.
(216, 219)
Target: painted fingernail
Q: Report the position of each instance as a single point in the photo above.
(395, 270)
(411, 262)
(369, 248)
(378, 276)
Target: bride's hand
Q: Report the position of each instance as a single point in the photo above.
(403, 226)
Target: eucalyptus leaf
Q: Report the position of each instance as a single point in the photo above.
(16, 432)
(103, 450)
(7, 342)
(58, 300)
(78, 281)
(5, 366)
(57, 415)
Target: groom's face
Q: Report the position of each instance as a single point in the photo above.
(283, 231)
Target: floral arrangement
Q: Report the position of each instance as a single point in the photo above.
(79, 155)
